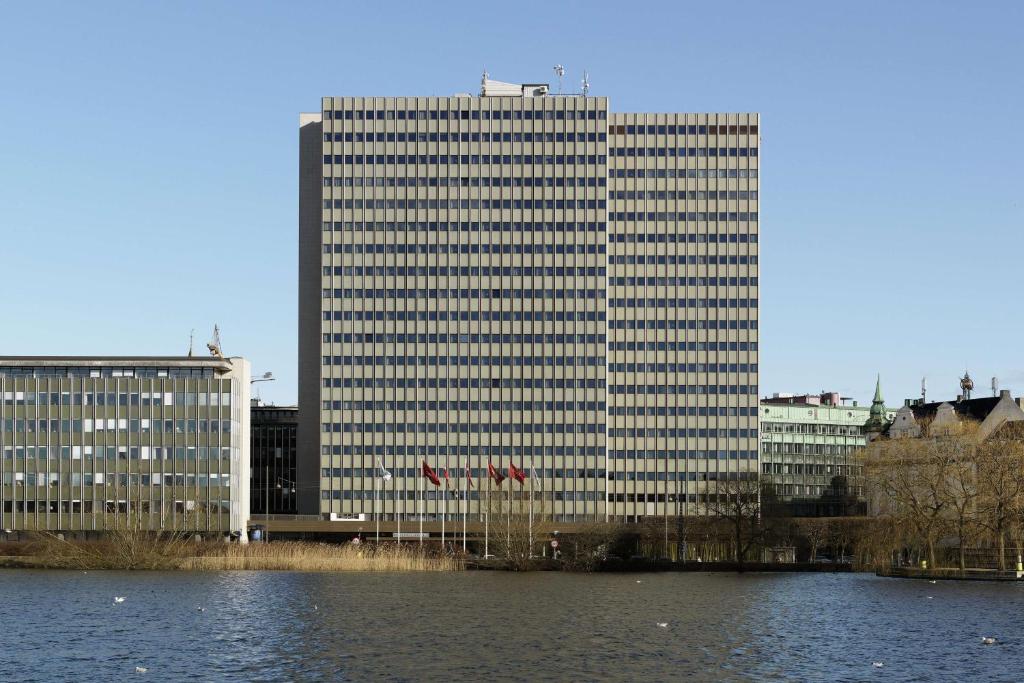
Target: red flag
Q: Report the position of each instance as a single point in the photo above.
(516, 473)
(447, 479)
(469, 478)
(430, 474)
(494, 474)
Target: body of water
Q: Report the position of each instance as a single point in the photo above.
(273, 626)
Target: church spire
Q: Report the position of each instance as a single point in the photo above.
(876, 421)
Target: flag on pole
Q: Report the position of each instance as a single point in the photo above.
(447, 480)
(533, 475)
(494, 474)
(469, 477)
(516, 473)
(384, 474)
(430, 474)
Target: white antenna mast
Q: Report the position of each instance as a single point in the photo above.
(924, 389)
(586, 83)
(559, 71)
(995, 386)
(191, 340)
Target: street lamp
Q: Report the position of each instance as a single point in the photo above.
(266, 377)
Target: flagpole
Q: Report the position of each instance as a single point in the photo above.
(398, 514)
(465, 507)
(421, 478)
(376, 515)
(532, 475)
(487, 520)
(444, 508)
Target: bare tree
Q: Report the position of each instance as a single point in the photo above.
(960, 488)
(907, 481)
(816, 532)
(1000, 477)
(737, 503)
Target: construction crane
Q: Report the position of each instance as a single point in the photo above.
(214, 344)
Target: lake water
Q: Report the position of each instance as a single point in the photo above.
(269, 626)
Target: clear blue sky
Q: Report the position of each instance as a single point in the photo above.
(148, 163)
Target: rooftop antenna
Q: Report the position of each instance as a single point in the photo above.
(559, 71)
(191, 339)
(924, 389)
(995, 386)
(214, 344)
(586, 83)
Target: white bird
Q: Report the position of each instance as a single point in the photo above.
(202, 609)
(933, 581)
(639, 581)
(315, 608)
(988, 640)
(662, 624)
(930, 597)
(878, 665)
(117, 600)
(141, 669)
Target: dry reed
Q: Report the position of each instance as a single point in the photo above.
(315, 557)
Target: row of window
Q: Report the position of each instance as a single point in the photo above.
(88, 507)
(678, 216)
(464, 226)
(458, 473)
(677, 324)
(467, 316)
(476, 180)
(649, 454)
(682, 389)
(679, 433)
(673, 302)
(812, 428)
(464, 293)
(682, 238)
(808, 448)
(113, 479)
(465, 451)
(101, 398)
(669, 173)
(81, 372)
(470, 114)
(682, 152)
(465, 159)
(463, 427)
(518, 361)
(680, 259)
(453, 248)
(681, 346)
(689, 411)
(459, 383)
(133, 426)
(475, 136)
(471, 338)
(88, 453)
(421, 204)
(394, 405)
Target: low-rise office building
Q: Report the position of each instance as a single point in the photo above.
(91, 444)
(808, 447)
(272, 487)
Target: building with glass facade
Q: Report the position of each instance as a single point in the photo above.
(519, 278)
(273, 447)
(94, 443)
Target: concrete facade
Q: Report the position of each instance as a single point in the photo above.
(94, 443)
(530, 281)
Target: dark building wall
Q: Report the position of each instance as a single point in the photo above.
(310, 179)
(273, 447)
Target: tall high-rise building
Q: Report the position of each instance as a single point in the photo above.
(525, 278)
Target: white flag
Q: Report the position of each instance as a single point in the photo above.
(384, 474)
